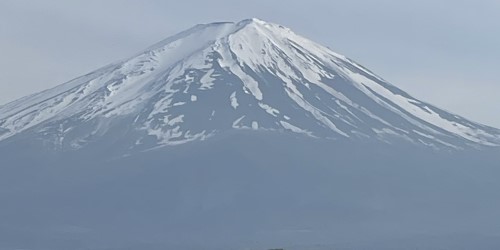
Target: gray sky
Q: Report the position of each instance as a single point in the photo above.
(442, 51)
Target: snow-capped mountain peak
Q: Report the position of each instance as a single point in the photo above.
(226, 76)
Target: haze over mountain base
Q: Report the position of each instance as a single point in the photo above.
(252, 190)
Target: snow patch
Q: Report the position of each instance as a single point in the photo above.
(315, 112)
(255, 125)
(234, 101)
(270, 110)
(229, 62)
(174, 121)
(294, 129)
(207, 82)
(236, 123)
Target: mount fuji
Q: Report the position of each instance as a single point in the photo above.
(218, 77)
(242, 136)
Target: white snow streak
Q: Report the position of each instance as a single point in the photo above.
(234, 101)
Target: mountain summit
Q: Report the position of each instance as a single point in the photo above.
(218, 77)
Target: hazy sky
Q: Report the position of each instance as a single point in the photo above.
(446, 52)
